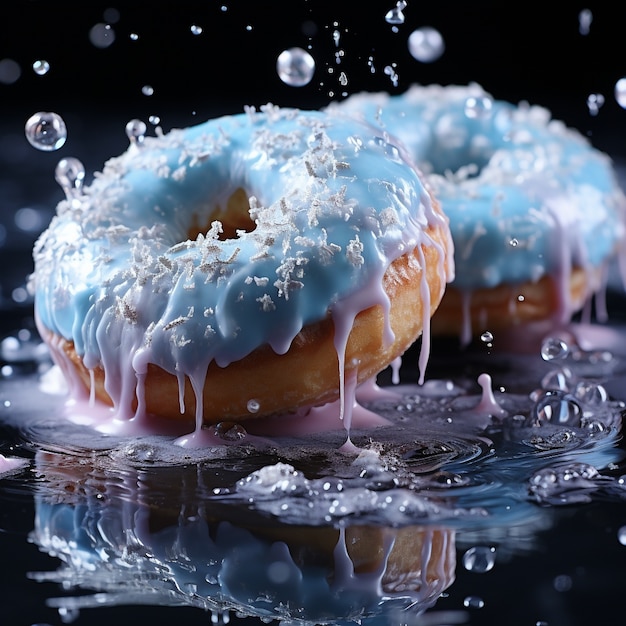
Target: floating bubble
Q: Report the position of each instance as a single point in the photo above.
(28, 219)
(41, 67)
(46, 131)
(395, 15)
(295, 67)
(621, 535)
(479, 559)
(620, 92)
(147, 90)
(486, 337)
(426, 44)
(195, 29)
(136, 131)
(70, 174)
(101, 35)
(478, 108)
(10, 71)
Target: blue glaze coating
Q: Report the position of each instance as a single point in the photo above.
(526, 196)
(333, 204)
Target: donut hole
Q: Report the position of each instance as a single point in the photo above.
(234, 217)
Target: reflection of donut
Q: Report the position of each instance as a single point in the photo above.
(166, 544)
(221, 270)
(536, 213)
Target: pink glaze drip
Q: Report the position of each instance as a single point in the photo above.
(488, 404)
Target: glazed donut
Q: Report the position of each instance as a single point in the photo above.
(240, 268)
(234, 558)
(536, 213)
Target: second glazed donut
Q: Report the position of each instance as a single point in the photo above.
(536, 213)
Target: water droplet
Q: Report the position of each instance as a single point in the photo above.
(478, 108)
(391, 72)
(134, 36)
(594, 103)
(295, 67)
(561, 379)
(147, 90)
(253, 406)
(621, 535)
(136, 131)
(101, 35)
(514, 242)
(41, 67)
(230, 431)
(486, 337)
(585, 17)
(620, 92)
(395, 15)
(70, 174)
(195, 29)
(46, 131)
(590, 393)
(553, 348)
(473, 602)
(426, 44)
(558, 408)
(479, 559)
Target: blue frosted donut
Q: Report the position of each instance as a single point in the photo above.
(241, 267)
(536, 213)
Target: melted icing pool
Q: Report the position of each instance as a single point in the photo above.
(474, 462)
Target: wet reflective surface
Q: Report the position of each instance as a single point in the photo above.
(497, 486)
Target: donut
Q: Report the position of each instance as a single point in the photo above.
(536, 213)
(243, 267)
(175, 547)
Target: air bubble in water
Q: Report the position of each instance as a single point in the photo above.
(478, 108)
(426, 44)
(295, 67)
(621, 535)
(41, 67)
(136, 131)
(46, 131)
(395, 15)
(620, 92)
(554, 348)
(147, 90)
(479, 559)
(195, 29)
(70, 174)
(473, 602)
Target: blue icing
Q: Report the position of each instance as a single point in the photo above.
(333, 202)
(518, 187)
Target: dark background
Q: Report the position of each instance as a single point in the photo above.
(518, 51)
